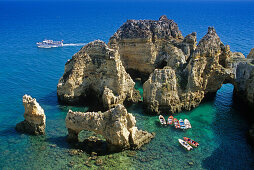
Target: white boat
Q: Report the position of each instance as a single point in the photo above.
(49, 44)
(185, 144)
(187, 124)
(182, 125)
(162, 120)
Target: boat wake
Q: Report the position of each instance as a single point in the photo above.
(76, 44)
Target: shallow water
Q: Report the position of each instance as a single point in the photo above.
(218, 124)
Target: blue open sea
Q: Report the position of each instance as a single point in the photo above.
(219, 125)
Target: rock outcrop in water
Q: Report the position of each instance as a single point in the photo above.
(35, 119)
(181, 72)
(174, 89)
(148, 44)
(251, 54)
(116, 125)
(96, 70)
(244, 80)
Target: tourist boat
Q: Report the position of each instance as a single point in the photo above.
(187, 124)
(191, 142)
(162, 120)
(49, 44)
(170, 120)
(182, 125)
(185, 144)
(176, 123)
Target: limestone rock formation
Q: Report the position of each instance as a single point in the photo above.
(173, 89)
(244, 80)
(251, 54)
(148, 44)
(96, 70)
(35, 119)
(116, 125)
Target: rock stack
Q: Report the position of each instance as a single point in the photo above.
(35, 119)
(96, 70)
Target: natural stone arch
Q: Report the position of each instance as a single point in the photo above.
(116, 125)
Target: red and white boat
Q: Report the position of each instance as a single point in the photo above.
(170, 120)
(191, 142)
(176, 123)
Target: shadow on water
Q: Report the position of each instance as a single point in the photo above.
(230, 129)
(224, 157)
(60, 141)
(90, 144)
(50, 99)
(9, 131)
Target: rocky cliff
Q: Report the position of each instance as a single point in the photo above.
(244, 80)
(96, 70)
(173, 89)
(35, 119)
(148, 44)
(116, 125)
(251, 54)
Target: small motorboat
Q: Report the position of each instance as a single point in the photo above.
(185, 144)
(162, 120)
(176, 123)
(182, 125)
(191, 142)
(187, 124)
(170, 120)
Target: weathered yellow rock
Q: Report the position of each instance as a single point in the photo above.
(147, 44)
(173, 88)
(116, 125)
(96, 70)
(35, 119)
(251, 54)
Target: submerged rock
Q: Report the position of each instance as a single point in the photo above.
(99, 162)
(35, 119)
(116, 125)
(148, 44)
(96, 71)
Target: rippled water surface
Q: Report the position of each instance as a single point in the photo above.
(218, 124)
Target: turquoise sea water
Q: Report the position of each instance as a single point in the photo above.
(219, 125)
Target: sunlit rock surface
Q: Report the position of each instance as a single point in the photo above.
(35, 119)
(116, 125)
(148, 44)
(96, 71)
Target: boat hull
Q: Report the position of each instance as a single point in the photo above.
(170, 120)
(190, 142)
(185, 145)
(162, 120)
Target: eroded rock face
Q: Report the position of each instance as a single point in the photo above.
(116, 125)
(96, 70)
(251, 54)
(163, 94)
(244, 80)
(173, 89)
(35, 119)
(148, 44)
